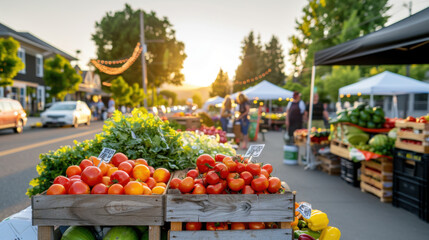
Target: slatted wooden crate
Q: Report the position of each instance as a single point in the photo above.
(418, 132)
(340, 148)
(230, 208)
(377, 178)
(97, 210)
(330, 164)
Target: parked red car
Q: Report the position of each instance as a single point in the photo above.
(12, 115)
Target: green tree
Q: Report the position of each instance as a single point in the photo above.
(10, 63)
(121, 91)
(220, 86)
(293, 86)
(328, 22)
(252, 62)
(61, 77)
(274, 59)
(137, 96)
(170, 95)
(197, 99)
(341, 76)
(117, 34)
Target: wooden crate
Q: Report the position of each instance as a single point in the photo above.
(340, 149)
(412, 131)
(377, 178)
(187, 121)
(97, 210)
(330, 164)
(230, 208)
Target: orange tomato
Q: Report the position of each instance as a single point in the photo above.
(111, 171)
(133, 188)
(147, 191)
(106, 181)
(126, 167)
(158, 190)
(116, 189)
(150, 182)
(161, 184)
(238, 226)
(141, 161)
(79, 187)
(174, 183)
(161, 175)
(103, 166)
(85, 163)
(141, 172)
(73, 170)
(56, 189)
(265, 173)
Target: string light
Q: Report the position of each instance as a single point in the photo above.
(99, 64)
(342, 95)
(359, 93)
(348, 95)
(257, 77)
(280, 99)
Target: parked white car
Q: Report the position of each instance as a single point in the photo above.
(67, 113)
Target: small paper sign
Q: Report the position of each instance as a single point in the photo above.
(305, 210)
(254, 150)
(133, 135)
(106, 154)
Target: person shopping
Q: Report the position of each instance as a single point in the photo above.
(244, 107)
(226, 113)
(294, 113)
(320, 115)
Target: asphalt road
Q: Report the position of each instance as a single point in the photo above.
(19, 155)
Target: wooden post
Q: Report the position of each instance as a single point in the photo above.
(154, 232)
(45, 233)
(176, 226)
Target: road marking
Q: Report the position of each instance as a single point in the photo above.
(34, 145)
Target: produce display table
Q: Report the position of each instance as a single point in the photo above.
(187, 121)
(97, 210)
(229, 208)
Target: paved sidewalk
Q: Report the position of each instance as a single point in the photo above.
(358, 215)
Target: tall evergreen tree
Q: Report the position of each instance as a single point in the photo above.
(274, 59)
(220, 87)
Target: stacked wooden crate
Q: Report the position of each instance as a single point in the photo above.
(377, 178)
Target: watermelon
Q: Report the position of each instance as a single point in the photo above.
(357, 138)
(78, 233)
(121, 233)
(378, 140)
(392, 133)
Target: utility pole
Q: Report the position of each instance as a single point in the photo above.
(142, 43)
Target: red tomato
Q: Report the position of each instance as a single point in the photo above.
(256, 225)
(232, 166)
(151, 170)
(186, 185)
(274, 184)
(241, 167)
(205, 162)
(199, 189)
(271, 225)
(222, 169)
(161, 175)
(248, 190)
(422, 120)
(73, 170)
(116, 189)
(118, 158)
(218, 226)
(142, 161)
(79, 187)
(132, 162)
(236, 184)
(259, 184)
(199, 181)
(210, 226)
(219, 157)
(151, 183)
(75, 177)
(253, 168)
(410, 119)
(85, 163)
(265, 173)
(99, 189)
(174, 183)
(63, 181)
(212, 177)
(215, 189)
(268, 167)
(238, 226)
(92, 175)
(193, 226)
(192, 173)
(126, 167)
(56, 189)
(224, 183)
(120, 177)
(247, 176)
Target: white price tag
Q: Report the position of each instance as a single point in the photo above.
(133, 135)
(254, 150)
(106, 154)
(305, 210)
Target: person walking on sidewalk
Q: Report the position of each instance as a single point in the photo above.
(244, 107)
(226, 112)
(294, 114)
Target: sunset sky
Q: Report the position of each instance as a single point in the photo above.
(211, 30)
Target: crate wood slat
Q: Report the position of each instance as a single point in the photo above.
(97, 210)
(385, 196)
(340, 149)
(230, 208)
(414, 125)
(234, 234)
(411, 135)
(383, 167)
(376, 178)
(374, 174)
(376, 183)
(411, 147)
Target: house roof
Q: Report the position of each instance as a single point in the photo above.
(33, 40)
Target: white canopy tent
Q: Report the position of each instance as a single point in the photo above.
(212, 101)
(386, 83)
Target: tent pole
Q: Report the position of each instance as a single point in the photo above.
(371, 100)
(310, 118)
(395, 106)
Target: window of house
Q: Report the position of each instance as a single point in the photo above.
(421, 101)
(39, 65)
(21, 54)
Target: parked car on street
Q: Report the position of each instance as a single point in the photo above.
(12, 115)
(67, 113)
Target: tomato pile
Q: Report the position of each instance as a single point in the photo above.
(120, 176)
(219, 226)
